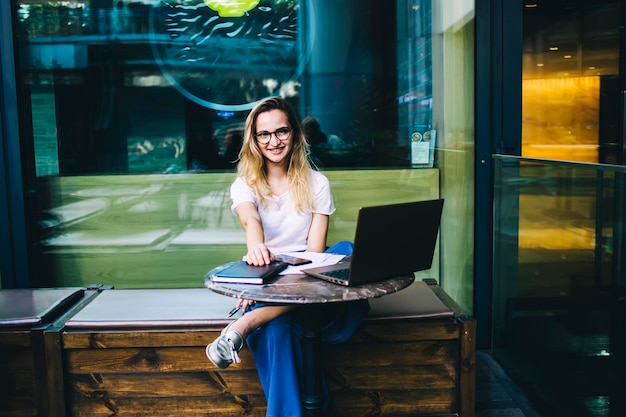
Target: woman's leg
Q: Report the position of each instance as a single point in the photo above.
(253, 319)
(277, 352)
(224, 350)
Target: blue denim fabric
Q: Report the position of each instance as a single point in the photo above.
(277, 352)
(277, 349)
(341, 248)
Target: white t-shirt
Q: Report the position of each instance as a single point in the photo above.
(286, 230)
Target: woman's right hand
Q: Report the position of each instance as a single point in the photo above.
(259, 255)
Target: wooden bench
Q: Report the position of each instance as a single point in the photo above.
(141, 352)
(25, 314)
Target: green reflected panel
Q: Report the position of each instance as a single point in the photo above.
(553, 222)
(555, 287)
(167, 231)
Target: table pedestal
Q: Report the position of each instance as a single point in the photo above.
(312, 396)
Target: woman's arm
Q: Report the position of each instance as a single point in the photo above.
(258, 253)
(318, 233)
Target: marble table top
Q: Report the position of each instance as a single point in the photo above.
(302, 289)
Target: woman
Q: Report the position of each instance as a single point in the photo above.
(283, 205)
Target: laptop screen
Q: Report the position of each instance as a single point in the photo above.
(396, 239)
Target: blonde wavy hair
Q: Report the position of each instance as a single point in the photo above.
(253, 169)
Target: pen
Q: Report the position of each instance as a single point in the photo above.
(234, 311)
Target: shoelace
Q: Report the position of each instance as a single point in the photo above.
(233, 351)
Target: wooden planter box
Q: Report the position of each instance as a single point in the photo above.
(141, 352)
(407, 362)
(24, 316)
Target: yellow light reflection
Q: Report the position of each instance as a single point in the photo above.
(231, 8)
(560, 118)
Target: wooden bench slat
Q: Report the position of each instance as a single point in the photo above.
(225, 406)
(400, 353)
(393, 378)
(146, 360)
(408, 329)
(16, 384)
(15, 338)
(18, 407)
(183, 384)
(403, 329)
(140, 338)
(393, 403)
(17, 358)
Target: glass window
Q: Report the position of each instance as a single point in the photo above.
(134, 112)
(558, 212)
(150, 86)
(570, 87)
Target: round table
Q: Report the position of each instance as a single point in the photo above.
(309, 291)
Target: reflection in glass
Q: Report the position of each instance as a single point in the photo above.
(134, 111)
(555, 289)
(156, 87)
(228, 63)
(570, 62)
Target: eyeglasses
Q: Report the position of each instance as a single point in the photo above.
(281, 134)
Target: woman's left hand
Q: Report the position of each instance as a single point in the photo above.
(244, 303)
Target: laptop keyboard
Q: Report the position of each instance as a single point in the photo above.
(339, 273)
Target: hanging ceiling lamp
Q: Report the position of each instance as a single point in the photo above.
(231, 8)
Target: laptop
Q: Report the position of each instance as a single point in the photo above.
(390, 241)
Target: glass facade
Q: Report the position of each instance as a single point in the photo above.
(558, 281)
(558, 294)
(570, 81)
(132, 113)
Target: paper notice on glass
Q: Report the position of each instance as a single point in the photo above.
(420, 149)
(317, 259)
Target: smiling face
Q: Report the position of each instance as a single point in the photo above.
(275, 151)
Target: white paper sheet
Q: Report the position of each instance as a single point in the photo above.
(318, 259)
